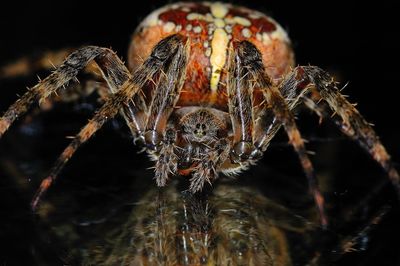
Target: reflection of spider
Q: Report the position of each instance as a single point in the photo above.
(211, 85)
(232, 225)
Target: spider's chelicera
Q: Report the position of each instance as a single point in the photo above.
(208, 86)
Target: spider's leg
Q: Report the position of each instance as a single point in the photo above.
(240, 103)
(116, 74)
(50, 61)
(162, 52)
(165, 97)
(351, 123)
(79, 60)
(250, 58)
(60, 77)
(268, 125)
(72, 65)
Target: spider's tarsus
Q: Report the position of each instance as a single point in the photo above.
(44, 186)
(319, 200)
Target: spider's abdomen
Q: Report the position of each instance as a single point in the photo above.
(211, 28)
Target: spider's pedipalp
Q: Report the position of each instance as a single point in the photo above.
(124, 92)
(167, 160)
(209, 161)
(252, 61)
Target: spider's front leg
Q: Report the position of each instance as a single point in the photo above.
(246, 64)
(327, 100)
(157, 137)
(240, 99)
(165, 97)
(125, 91)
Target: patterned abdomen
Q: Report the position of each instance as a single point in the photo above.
(211, 29)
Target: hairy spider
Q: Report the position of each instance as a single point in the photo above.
(208, 86)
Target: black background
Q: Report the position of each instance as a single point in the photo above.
(356, 42)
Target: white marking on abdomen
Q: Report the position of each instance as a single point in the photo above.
(219, 47)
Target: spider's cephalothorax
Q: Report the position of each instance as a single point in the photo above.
(209, 86)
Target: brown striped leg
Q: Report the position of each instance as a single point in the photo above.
(60, 77)
(251, 59)
(165, 97)
(350, 121)
(269, 124)
(68, 70)
(240, 102)
(116, 74)
(49, 61)
(162, 52)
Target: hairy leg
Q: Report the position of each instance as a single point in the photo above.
(162, 52)
(240, 103)
(95, 79)
(116, 74)
(165, 97)
(250, 59)
(210, 161)
(60, 77)
(49, 61)
(317, 89)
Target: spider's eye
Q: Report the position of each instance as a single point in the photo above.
(200, 130)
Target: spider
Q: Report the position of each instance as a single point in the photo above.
(207, 88)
